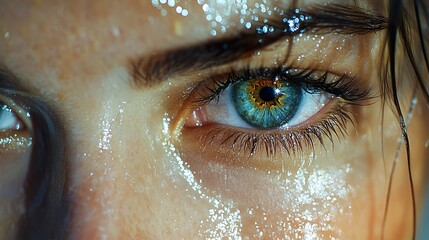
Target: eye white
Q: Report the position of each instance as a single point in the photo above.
(224, 112)
(311, 104)
(8, 119)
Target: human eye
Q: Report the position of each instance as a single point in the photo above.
(15, 127)
(15, 151)
(8, 120)
(263, 112)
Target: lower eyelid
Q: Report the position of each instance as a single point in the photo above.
(262, 149)
(15, 142)
(210, 134)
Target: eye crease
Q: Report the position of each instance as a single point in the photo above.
(149, 71)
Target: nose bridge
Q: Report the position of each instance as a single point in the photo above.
(95, 186)
(92, 204)
(112, 147)
(91, 185)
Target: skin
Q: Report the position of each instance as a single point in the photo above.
(125, 180)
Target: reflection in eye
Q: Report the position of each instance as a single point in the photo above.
(266, 103)
(8, 119)
(263, 109)
(15, 135)
(16, 142)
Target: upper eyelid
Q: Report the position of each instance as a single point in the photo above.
(148, 71)
(344, 86)
(273, 57)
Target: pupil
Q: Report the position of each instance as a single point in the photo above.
(268, 94)
(266, 106)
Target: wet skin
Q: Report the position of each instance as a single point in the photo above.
(137, 169)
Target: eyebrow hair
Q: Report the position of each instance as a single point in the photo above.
(148, 71)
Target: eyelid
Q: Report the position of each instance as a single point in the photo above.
(337, 18)
(365, 95)
(19, 139)
(350, 49)
(344, 86)
(332, 120)
(266, 150)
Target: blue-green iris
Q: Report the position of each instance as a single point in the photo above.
(266, 104)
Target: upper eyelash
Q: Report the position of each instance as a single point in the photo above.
(347, 89)
(344, 87)
(334, 124)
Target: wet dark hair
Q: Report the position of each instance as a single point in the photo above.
(46, 199)
(46, 203)
(404, 29)
(45, 186)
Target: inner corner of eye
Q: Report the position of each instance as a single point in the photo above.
(196, 118)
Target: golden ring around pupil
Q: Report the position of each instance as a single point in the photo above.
(254, 89)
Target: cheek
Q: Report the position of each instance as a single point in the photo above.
(337, 192)
(128, 179)
(316, 197)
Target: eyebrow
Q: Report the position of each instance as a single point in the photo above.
(148, 71)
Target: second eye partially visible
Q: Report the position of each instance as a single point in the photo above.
(9, 120)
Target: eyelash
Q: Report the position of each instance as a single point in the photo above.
(294, 142)
(344, 87)
(344, 90)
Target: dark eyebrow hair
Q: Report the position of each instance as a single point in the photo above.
(151, 70)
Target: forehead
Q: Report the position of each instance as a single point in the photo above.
(60, 39)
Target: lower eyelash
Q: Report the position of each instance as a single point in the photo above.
(296, 141)
(293, 142)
